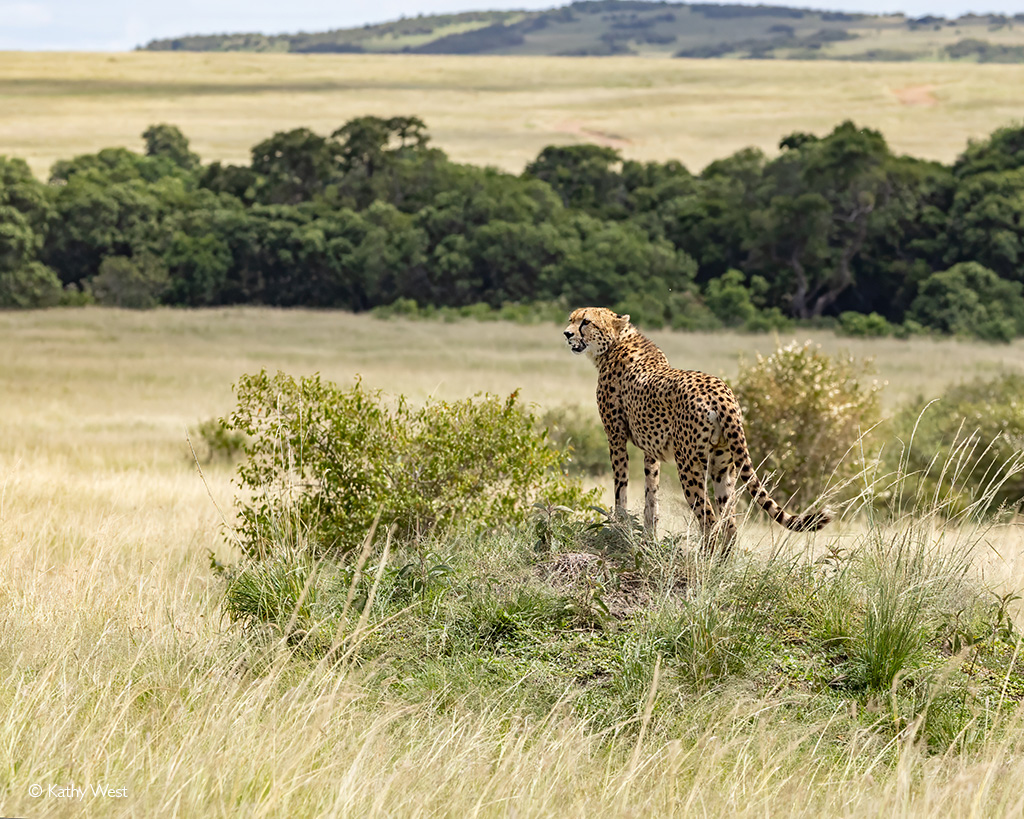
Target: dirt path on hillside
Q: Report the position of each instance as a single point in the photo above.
(916, 95)
(578, 128)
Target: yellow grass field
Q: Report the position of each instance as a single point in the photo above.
(494, 110)
(117, 665)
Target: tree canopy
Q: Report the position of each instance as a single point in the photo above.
(373, 213)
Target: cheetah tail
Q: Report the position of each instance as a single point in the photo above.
(810, 521)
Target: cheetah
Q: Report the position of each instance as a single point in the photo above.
(687, 416)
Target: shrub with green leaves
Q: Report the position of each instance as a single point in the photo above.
(805, 413)
(769, 320)
(735, 304)
(729, 299)
(32, 286)
(871, 325)
(132, 283)
(215, 441)
(970, 300)
(963, 452)
(323, 461)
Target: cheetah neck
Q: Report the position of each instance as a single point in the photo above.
(631, 348)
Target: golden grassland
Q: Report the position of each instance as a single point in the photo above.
(117, 668)
(494, 110)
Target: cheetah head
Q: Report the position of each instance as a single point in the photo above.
(594, 330)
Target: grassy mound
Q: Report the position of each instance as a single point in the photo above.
(888, 634)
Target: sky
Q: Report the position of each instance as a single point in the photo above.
(121, 25)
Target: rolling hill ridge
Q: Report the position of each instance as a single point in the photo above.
(654, 29)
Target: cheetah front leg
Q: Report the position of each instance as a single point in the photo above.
(652, 472)
(620, 470)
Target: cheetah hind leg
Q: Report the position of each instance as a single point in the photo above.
(692, 475)
(723, 475)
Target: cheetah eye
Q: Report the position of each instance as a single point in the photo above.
(584, 322)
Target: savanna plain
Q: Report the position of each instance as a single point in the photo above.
(120, 671)
(494, 110)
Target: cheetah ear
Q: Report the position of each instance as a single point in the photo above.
(622, 320)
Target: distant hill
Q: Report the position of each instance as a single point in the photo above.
(697, 30)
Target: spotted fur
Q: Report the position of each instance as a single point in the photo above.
(685, 416)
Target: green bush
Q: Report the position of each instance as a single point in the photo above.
(970, 300)
(909, 328)
(323, 461)
(963, 452)
(504, 615)
(77, 295)
(734, 304)
(768, 320)
(32, 286)
(729, 299)
(136, 284)
(399, 307)
(217, 441)
(871, 325)
(805, 413)
(901, 583)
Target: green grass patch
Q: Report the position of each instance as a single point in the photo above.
(895, 633)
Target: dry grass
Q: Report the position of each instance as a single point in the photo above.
(118, 670)
(177, 366)
(492, 110)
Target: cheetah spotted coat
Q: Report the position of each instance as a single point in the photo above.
(685, 416)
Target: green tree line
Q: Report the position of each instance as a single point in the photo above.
(833, 227)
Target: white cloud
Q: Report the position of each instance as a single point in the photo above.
(25, 15)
